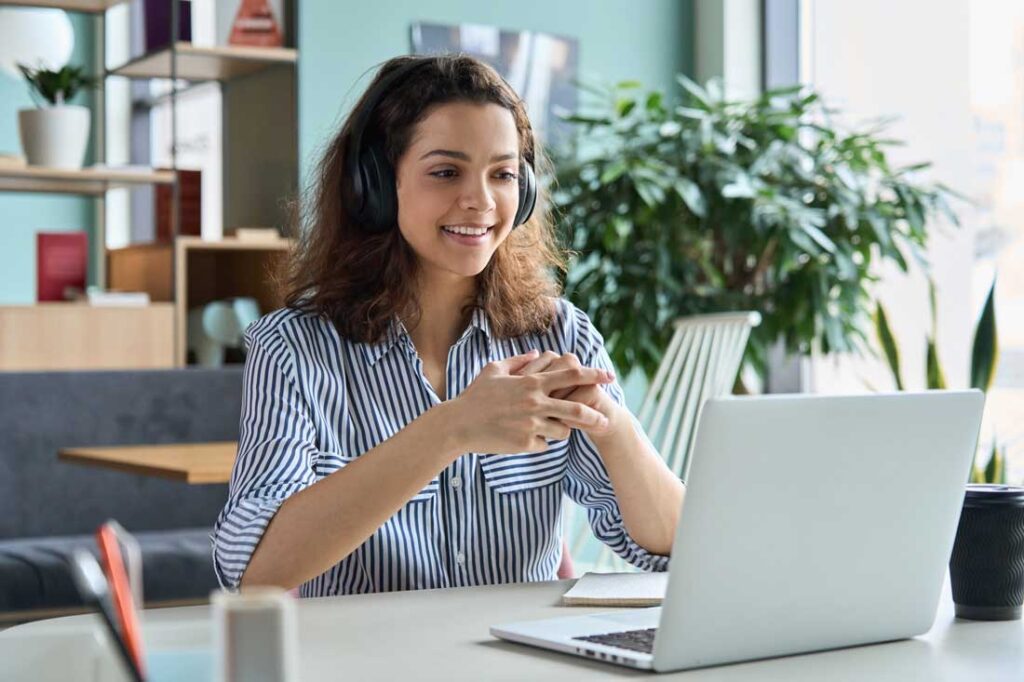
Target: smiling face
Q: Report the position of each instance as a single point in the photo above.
(458, 187)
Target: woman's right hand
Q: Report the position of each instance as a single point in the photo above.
(502, 413)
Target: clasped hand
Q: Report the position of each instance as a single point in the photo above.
(519, 403)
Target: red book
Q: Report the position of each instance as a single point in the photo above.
(62, 260)
(190, 203)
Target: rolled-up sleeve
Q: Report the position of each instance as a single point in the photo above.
(276, 451)
(587, 482)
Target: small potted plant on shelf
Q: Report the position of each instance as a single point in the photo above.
(56, 133)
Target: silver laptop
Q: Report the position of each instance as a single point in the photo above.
(809, 523)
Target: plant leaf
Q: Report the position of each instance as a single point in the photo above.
(819, 237)
(696, 92)
(934, 308)
(995, 470)
(892, 353)
(936, 377)
(691, 195)
(613, 171)
(985, 349)
(624, 106)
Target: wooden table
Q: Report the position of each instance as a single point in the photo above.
(193, 463)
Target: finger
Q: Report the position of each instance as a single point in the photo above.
(566, 361)
(580, 376)
(515, 362)
(540, 444)
(566, 393)
(541, 363)
(552, 429)
(574, 394)
(574, 415)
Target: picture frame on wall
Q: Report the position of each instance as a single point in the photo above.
(540, 67)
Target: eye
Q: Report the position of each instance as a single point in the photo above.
(444, 174)
(508, 176)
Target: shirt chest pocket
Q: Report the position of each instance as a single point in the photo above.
(328, 462)
(526, 471)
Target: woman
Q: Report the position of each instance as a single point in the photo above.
(415, 415)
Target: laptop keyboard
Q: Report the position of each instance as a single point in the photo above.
(634, 640)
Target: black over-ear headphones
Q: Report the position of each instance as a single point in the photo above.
(373, 200)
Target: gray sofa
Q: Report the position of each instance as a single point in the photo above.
(48, 506)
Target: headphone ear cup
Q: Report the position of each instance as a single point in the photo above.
(527, 194)
(380, 202)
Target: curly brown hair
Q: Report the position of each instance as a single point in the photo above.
(359, 279)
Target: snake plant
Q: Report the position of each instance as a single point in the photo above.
(984, 358)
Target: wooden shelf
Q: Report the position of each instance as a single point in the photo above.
(235, 244)
(93, 180)
(207, 63)
(91, 6)
(79, 336)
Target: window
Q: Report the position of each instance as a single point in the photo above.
(997, 109)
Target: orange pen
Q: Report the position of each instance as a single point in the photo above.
(124, 604)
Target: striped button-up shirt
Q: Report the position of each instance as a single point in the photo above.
(314, 401)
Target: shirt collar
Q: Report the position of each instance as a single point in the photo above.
(396, 331)
(374, 351)
(479, 320)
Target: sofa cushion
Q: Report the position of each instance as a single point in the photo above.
(35, 573)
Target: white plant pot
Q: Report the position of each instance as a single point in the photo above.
(55, 137)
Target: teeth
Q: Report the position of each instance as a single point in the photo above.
(462, 229)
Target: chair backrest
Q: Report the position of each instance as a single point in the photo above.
(701, 362)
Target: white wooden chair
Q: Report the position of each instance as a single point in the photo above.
(702, 361)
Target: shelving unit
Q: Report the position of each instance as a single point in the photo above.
(196, 271)
(188, 271)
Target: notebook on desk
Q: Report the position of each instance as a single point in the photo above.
(617, 589)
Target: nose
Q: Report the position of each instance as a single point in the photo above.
(476, 196)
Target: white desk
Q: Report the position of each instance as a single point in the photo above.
(443, 634)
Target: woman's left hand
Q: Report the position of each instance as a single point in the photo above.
(591, 396)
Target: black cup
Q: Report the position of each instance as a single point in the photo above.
(987, 566)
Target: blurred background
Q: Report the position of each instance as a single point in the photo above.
(761, 195)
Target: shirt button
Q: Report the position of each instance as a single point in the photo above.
(461, 558)
(456, 482)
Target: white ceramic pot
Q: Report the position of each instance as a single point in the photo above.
(55, 136)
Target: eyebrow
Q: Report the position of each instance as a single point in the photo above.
(462, 156)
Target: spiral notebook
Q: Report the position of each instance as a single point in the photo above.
(617, 589)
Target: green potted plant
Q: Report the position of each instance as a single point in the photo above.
(55, 133)
(717, 204)
(984, 360)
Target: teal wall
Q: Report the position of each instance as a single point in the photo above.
(339, 42)
(24, 214)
